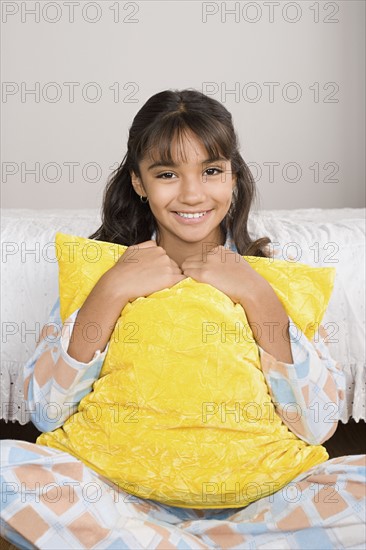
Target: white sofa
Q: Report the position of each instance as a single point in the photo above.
(334, 238)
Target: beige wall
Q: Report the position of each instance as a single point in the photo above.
(297, 70)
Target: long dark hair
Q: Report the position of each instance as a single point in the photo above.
(166, 115)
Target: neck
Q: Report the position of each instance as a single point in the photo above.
(179, 250)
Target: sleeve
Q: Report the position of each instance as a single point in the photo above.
(309, 393)
(54, 382)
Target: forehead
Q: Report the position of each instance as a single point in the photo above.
(182, 148)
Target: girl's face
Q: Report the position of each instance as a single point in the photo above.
(188, 198)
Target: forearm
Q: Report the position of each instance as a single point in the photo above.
(50, 402)
(268, 320)
(54, 382)
(308, 394)
(96, 319)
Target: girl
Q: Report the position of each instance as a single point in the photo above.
(182, 188)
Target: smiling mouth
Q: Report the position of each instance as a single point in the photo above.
(189, 215)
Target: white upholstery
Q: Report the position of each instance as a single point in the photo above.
(334, 238)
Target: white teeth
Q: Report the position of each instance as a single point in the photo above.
(186, 215)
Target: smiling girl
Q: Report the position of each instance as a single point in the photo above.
(180, 200)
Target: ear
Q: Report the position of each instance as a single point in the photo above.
(137, 184)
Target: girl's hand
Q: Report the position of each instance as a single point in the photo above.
(143, 269)
(232, 274)
(140, 271)
(225, 270)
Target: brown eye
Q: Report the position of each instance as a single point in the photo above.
(166, 175)
(213, 171)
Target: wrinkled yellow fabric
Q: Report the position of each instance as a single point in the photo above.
(181, 412)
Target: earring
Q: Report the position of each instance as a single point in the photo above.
(142, 199)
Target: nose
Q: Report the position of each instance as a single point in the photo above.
(192, 190)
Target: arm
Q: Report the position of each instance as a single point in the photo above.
(309, 392)
(229, 272)
(306, 384)
(55, 382)
(149, 270)
(101, 309)
(266, 315)
(63, 369)
(315, 384)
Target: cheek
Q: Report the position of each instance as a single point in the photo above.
(225, 195)
(159, 200)
(159, 197)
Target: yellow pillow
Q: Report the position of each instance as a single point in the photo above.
(181, 412)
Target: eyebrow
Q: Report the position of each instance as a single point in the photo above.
(174, 165)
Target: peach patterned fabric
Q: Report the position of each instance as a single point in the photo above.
(50, 500)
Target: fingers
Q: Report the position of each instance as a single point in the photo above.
(174, 264)
(192, 264)
(146, 244)
(179, 277)
(178, 271)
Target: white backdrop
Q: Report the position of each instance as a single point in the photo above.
(74, 73)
